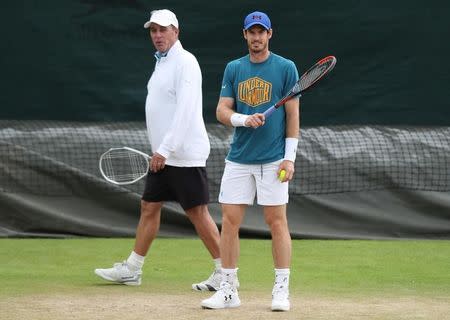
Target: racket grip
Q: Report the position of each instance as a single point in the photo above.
(269, 111)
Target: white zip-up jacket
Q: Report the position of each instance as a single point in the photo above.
(173, 110)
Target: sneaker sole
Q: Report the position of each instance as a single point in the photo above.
(226, 307)
(196, 287)
(128, 283)
(281, 308)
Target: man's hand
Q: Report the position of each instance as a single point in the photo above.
(157, 163)
(255, 120)
(287, 166)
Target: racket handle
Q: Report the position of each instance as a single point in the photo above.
(272, 109)
(269, 111)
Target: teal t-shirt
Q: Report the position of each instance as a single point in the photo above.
(255, 87)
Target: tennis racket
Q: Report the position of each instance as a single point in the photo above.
(124, 165)
(310, 77)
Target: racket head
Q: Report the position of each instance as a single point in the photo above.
(123, 165)
(315, 73)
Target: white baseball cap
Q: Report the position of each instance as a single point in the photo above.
(162, 17)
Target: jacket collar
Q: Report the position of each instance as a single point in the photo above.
(172, 51)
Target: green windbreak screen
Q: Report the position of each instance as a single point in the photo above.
(89, 60)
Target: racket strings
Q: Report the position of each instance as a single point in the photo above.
(121, 166)
(316, 72)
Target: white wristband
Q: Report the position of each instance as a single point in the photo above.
(238, 119)
(290, 149)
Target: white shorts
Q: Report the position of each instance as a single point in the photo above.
(240, 183)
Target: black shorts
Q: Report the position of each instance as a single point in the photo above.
(186, 185)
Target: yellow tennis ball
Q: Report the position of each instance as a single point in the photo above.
(282, 175)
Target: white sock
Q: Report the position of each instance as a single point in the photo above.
(282, 277)
(135, 261)
(230, 276)
(218, 263)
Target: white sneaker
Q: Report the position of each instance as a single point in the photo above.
(212, 283)
(120, 273)
(226, 297)
(280, 298)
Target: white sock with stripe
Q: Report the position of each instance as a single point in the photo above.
(218, 263)
(135, 261)
(282, 277)
(230, 276)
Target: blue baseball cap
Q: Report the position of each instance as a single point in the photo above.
(257, 17)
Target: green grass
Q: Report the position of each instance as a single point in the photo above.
(322, 267)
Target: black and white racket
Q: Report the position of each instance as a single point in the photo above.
(310, 77)
(124, 165)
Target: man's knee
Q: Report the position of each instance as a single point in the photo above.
(197, 212)
(276, 222)
(150, 210)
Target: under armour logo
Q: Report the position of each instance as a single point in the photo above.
(227, 297)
